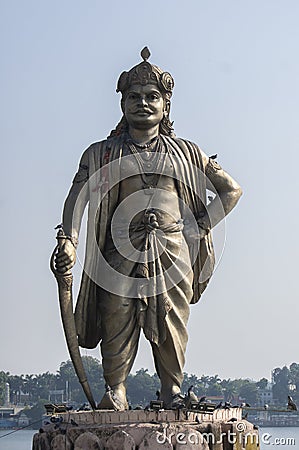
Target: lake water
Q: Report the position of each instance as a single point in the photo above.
(22, 440)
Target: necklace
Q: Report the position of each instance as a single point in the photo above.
(146, 150)
(143, 146)
(150, 170)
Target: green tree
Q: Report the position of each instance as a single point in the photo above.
(214, 387)
(248, 391)
(141, 388)
(281, 378)
(294, 381)
(30, 386)
(35, 413)
(192, 380)
(94, 372)
(294, 376)
(262, 383)
(4, 377)
(16, 384)
(44, 383)
(229, 389)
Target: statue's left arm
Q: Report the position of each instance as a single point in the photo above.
(227, 193)
(73, 211)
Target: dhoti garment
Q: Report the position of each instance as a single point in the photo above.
(157, 262)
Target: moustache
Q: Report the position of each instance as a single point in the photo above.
(141, 110)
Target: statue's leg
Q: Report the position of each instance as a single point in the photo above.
(169, 360)
(169, 357)
(120, 336)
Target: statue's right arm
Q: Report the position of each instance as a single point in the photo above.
(73, 211)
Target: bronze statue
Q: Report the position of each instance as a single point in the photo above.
(149, 252)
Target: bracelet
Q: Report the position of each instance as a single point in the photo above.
(61, 235)
(73, 240)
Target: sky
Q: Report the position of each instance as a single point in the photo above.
(236, 94)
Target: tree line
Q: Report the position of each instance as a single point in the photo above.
(142, 386)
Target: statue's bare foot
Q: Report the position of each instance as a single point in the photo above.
(114, 399)
(177, 402)
(172, 397)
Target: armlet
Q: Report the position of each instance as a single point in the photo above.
(212, 166)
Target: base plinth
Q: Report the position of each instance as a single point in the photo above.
(147, 430)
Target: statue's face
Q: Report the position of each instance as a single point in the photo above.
(143, 106)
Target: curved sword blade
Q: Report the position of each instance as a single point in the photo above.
(65, 283)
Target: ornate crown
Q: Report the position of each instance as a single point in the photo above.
(146, 73)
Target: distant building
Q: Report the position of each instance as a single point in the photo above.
(265, 396)
(8, 418)
(56, 396)
(23, 420)
(13, 418)
(20, 398)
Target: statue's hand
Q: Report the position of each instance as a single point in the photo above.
(66, 257)
(198, 235)
(202, 233)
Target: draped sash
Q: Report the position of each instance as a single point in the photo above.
(103, 198)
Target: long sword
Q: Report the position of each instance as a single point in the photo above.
(65, 283)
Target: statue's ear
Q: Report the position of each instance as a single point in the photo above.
(167, 106)
(122, 104)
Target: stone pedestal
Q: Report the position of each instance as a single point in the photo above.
(223, 429)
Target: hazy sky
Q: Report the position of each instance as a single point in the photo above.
(236, 70)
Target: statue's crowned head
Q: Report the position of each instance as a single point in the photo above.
(146, 73)
(142, 74)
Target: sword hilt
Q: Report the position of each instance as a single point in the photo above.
(60, 241)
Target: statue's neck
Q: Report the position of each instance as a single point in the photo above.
(143, 136)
